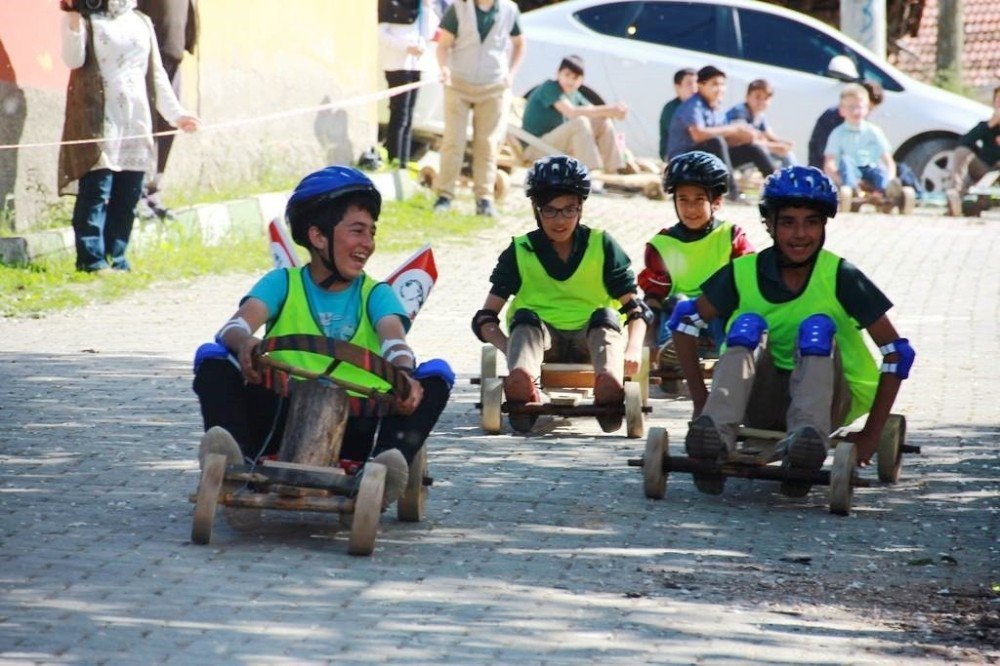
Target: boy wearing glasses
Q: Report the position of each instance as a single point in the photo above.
(574, 292)
(751, 112)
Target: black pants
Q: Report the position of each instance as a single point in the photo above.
(734, 156)
(255, 416)
(165, 143)
(400, 131)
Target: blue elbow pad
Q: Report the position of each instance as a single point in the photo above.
(816, 335)
(747, 330)
(435, 367)
(685, 319)
(900, 368)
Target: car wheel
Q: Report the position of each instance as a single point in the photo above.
(932, 162)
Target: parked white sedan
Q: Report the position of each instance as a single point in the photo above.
(633, 47)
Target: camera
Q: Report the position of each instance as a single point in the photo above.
(85, 7)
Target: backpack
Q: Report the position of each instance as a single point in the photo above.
(398, 11)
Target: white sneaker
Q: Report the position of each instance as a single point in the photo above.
(397, 475)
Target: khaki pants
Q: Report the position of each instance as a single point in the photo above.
(967, 169)
(590, 140)
(488, 105)
(748, 389)
(529, 346)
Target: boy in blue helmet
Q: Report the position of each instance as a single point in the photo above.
(795, 359)
(332, 213)
(681, 257)
(571, 285)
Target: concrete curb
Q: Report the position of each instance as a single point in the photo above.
(213, 221)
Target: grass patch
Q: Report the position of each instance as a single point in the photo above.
(53, 284)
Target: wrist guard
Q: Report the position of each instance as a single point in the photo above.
(482, 318)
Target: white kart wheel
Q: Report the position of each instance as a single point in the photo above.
(367, 510)
(502, 185)
(654, 479)
(410, 508)
(642, 378)
(890, 458)
(492, 402)
(845, 198)
(487, 366)
(208, 496)
(635, 426)
(845, 461)
(909, 201)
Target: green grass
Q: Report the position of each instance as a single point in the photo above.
(53, 284)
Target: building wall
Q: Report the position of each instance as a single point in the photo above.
(256, 57)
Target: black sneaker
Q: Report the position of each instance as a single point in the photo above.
(442, 205)
(805, 450)
(485, 208)
(703, 442)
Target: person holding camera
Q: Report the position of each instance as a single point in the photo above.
(115, 78)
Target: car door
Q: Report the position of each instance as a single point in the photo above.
(651, 40)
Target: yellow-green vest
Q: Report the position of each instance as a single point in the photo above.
(563, 304)
(690, 264)
(297, 317)
(783, 319)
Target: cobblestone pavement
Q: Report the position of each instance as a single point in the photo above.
(538, 549)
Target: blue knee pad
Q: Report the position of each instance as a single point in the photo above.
(604, 318)
(816, 335)
(436, 367)
(525, 317)
(747, 331)
(207, 351)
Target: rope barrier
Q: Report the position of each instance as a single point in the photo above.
(351, 101)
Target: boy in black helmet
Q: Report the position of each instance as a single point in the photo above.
(571, 285)
(332, 213)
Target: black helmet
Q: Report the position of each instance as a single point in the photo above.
(697, 168)
(557, 173)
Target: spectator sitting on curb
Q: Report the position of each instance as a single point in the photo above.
(685, 85)
(976, 154)
(700, 124)
(759, 94)
(831, 119)
(559, 114)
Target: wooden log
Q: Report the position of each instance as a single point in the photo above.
(317, 417)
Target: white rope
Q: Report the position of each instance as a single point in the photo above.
(351, 101)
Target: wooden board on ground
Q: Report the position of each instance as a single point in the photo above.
(647, 183)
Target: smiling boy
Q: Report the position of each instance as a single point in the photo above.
(858, 154)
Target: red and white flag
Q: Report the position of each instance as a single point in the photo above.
(282, 250)
(414, 280)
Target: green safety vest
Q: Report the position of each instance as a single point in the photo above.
(297, 317)
(690, 264)
(783, 319)
(563, 304)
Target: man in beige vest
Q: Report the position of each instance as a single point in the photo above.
(480, 47)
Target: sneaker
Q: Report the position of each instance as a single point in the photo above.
(218, 440)
(485, 208)
(804, 450)
(397, 475)
(608, 391)
(894, 191)
(703, 442)
(667, 358)
(519, 388)
(442, 205)
(954, 200)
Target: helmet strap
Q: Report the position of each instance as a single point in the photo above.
(328, 263)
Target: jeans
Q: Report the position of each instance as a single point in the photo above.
(103, 217)
(853, 175)
(256, 416)
(400, 130)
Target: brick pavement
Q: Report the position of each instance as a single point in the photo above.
(536, 549)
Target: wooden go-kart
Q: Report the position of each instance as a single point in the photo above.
(981, 196)
(306, 475)
(569, 387)
(756, 452)
(671, 379)
(851, 201)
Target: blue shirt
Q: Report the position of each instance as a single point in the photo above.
(693, 112)
(743, 112)
(335, 312)
(864, 144)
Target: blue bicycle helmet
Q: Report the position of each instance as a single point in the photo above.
(798, 186)
(320, 189)
(697, 168)
(557, 173)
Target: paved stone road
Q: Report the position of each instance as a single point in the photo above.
(536, 549)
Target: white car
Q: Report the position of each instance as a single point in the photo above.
(633, 47)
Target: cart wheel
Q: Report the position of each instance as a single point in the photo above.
(845, 459)
(634, 422)
(487, 366)
(672, 386)
(845, 196)
(890, 458)
(427, 176)
(642, 378)
(653, 190)
(367, 510)
(492, 401)
(654, 479)
(502, 185)
(909, 201)
(208, 496)
(410, 508)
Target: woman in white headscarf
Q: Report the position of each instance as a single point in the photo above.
(115, 76)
